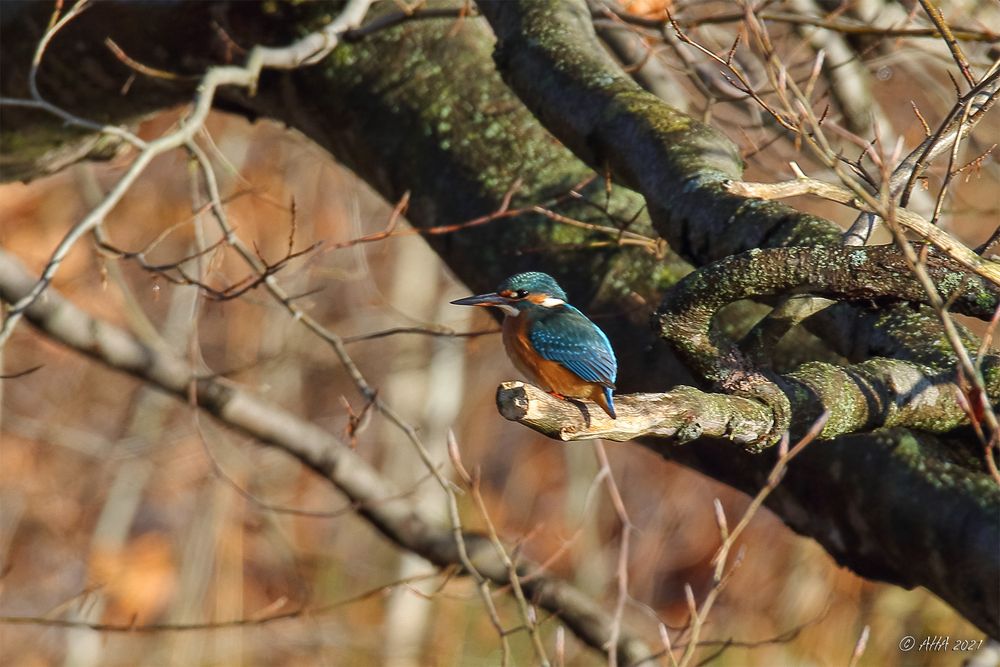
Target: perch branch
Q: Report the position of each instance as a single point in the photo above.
(877, 393)
(682, 414)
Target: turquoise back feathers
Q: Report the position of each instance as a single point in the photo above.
(556, 332)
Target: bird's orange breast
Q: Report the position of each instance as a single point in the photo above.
(549, 375)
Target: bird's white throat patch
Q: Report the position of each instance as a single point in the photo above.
(509, 310)
(552, 302)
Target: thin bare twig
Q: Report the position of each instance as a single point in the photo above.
(483, 584)
(721, 559)
(950, 171)
(262, 504)
(621, 570)
(977, 399)
(982, 96)
(37, 101)
(937, 18)
(140, 68)
(391, 228)
(623, 237)
(860, 646)
(436, 331)
(256, 620)
(528, 614)
(21, 374)
(847, 27)
(305, 51)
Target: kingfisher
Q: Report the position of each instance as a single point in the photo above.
(550, 341)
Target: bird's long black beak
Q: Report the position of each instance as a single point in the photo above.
(491, 299)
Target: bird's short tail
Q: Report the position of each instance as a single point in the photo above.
(607, 401)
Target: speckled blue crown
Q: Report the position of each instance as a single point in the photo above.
(534, 282)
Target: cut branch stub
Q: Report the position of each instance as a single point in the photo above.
(680, 415)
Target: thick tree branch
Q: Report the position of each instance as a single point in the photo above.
(854, 398)
(605, 118)
(878, 273)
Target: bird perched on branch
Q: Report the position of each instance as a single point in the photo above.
(550, 341)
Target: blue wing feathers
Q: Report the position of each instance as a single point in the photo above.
(566, 336)
(611, 402)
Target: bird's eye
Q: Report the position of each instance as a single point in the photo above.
(521, 293)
